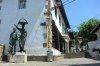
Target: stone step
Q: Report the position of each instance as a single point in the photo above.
(77, 55)
(44, 58)
(59, 57)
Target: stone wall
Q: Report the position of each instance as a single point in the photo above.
(1, 52)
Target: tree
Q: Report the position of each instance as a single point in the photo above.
(75, 33)
(86, 27)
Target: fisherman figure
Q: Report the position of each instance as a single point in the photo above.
(12, 41)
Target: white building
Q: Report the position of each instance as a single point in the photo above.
(11, 11)
(94, 46)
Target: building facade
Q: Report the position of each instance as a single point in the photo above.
(94, 46)
(11, 11)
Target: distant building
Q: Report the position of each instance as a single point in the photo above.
(11, 11)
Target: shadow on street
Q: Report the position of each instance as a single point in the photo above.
(95, 64)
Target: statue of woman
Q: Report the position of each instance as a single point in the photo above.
(22, 37)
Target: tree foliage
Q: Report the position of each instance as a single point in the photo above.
(75, 33)
(86, 27)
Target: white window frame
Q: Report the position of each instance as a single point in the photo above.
(22, 4)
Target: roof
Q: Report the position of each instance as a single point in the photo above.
(95, 29)
(61, 8)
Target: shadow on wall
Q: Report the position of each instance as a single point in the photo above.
(95, 64)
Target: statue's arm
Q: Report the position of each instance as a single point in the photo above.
(16, 37)
(26, 33)
(10, 39)
(17, 27)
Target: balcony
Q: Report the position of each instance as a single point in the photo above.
(66, 37)
(67, 34)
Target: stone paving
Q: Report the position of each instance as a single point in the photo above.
(64, 62)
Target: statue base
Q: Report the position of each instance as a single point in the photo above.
(11, 58)
(19, 57)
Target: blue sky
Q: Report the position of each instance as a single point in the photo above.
(80, 11)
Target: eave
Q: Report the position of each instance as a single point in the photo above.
(63, 13)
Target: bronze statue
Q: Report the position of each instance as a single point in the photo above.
(12, 41)
(22, 37)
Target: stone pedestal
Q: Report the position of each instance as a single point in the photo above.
(19, 57)
(11, 58)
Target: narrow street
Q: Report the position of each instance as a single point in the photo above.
(64, 62)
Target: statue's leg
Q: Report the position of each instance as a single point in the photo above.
(20, 46)
(23, 47)
(23, 44)
(11, 49)
(14, 48)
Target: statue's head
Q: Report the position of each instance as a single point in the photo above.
(22, 22)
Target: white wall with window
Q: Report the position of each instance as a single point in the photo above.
(31, 10)
(95, 45)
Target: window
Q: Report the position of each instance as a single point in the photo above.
(64, 29)
(0, 21)
(0, 7)
(56, 12)
(59, 20)
(22, 4)
(44, 35)
(44, 44)
(0, 1)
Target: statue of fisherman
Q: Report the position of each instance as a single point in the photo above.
(12, 41)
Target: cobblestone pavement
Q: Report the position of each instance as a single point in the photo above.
(64, 62)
